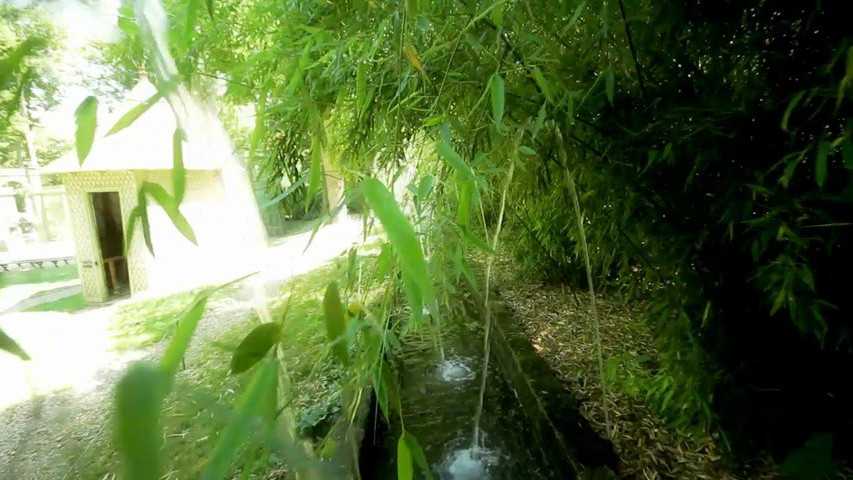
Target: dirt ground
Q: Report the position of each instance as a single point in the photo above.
(559, 324)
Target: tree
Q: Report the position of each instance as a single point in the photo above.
(27, 81)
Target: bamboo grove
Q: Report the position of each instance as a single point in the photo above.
(707, 146)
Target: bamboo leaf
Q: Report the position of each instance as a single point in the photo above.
(139, 212)
(417, 454)
(570, 110)
(209, 4)
(790, 108)
(575, 16)
(336, 322)
(287, 192)
(186, 327)
(316, 173)
(780, 300)
(526, 150)
(179, 173)
(463, 209)
(821, 162)
(497, 14)
(412, 57)
(497, 90)
(540, 119)
(138, 403)
(384, 384)
(609, 85)
(146, 229)
(405, 470)
(361, 89)
(383, 263)
(87, 121)
(542, 83)
(251, 406)
(402, 237)
(255, 346)
(128, 118)
(167, 202)
(454, 160)
(8, 344)
(425, 187)
(191, 19)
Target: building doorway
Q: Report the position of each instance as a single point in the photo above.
(106, 207)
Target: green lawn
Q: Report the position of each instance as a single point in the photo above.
(38, 275)
(69, 304)
(142, 323)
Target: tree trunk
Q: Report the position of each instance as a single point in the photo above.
(31, 170)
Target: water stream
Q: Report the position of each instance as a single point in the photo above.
(438, 399)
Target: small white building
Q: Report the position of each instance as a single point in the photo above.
(102, 192)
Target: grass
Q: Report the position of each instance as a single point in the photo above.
(71, 303)
(201, 403)
(143, 323)
(38, 275)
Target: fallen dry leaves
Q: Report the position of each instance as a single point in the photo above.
(560, 328)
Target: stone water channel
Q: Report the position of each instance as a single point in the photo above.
(530, 428)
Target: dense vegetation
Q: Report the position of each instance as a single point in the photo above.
(707, 144)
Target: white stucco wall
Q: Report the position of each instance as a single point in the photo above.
(229, 234)
(227, 244)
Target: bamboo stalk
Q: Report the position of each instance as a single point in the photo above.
(593, 306)
(488, 309)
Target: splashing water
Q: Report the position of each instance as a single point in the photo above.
(473, 463)
(455, 369)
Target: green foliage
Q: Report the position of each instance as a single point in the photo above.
(249, 408)
(410, 453)
(811, 462)
(336, 322)
(139, 400)
(28, 45)
(496, 86)
(690, 136)
(405, 468)
(128, 118)
(10, 345)
(170, 204)
(404, 241)
(255, 346)
(179, 173)
(86, 116)
(184, 331)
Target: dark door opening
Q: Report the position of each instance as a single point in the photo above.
(107, 209)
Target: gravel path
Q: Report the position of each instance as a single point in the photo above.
(56, 408)
(75, 367)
